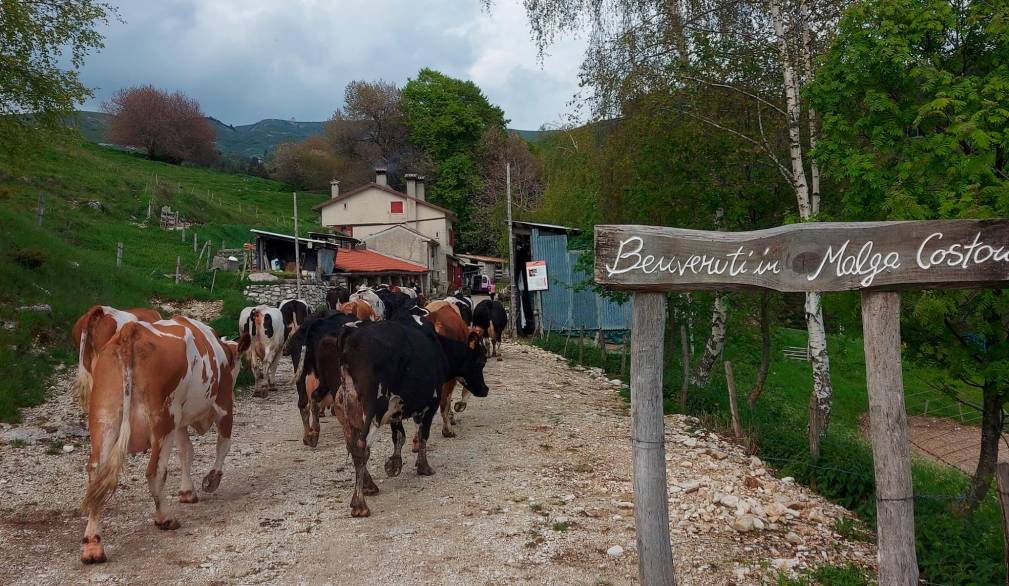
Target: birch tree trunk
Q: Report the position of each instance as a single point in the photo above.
(716, 341)
(814, 131)
(822, 393)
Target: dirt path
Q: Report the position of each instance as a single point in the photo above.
(947, 440)
(534, 490)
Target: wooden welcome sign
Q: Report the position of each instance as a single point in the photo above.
(806, 257)
(877, 258)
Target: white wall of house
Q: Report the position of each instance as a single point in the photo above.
(369, 212)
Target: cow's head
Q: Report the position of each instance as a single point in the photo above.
(472, 367)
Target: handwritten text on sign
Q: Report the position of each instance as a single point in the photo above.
(807, 257)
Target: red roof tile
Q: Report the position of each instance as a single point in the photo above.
(369, 261)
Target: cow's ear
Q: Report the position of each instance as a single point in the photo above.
(473, 340)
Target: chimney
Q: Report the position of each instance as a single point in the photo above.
(334, 188)
(411, 184)
(380, 176)
(420, 187)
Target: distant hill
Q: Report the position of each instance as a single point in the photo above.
(247, 140)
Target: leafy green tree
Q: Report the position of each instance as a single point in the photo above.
(446, 118)
(915, 103)
(34, 36)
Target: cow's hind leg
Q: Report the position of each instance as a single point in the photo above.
(213, 478)
(444, 405)
(186, 493)
(394, 465)
(460, 405)
(423, 467)
(157, 475)
(92, 549)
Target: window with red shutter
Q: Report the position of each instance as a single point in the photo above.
(395, 207)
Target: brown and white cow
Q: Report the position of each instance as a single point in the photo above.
(153, 381)
(92, 331)
(447, 322)
(360, 309)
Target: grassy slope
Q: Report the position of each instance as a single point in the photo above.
(951, 549)
(74, 249)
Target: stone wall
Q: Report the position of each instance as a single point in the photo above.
(273, 293)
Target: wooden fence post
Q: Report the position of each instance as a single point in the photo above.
(213, 281)
(730, 382)
(651, 504)
(623, 354)
(1002, 478)
(178, 268)
(567, 337)
(41, 210)
(685, 349)
(194, 241)
(581, 345)
(890, 447)
(119, 254)
(601, 341)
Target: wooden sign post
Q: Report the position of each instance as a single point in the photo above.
(877, 258)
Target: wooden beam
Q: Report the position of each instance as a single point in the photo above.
(651, 505)
(818, 256)
(891, 452)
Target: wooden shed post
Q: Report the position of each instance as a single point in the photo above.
(890, 447)
(651, 504)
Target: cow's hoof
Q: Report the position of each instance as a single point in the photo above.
(424, 469)
(358, 507)
(311, 439)
(393, 466)
(369, 488)
(447, 432)
(212, 480)
(261, 393)
(188, 497)
(92, 552)
(167, 524)
(459, 406)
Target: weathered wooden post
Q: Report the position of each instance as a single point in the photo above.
(213, 281)
(651, 504)
(119, 254)
(730, 383)
(567, 337)
(891, 452)
(623, 354)
(685, 358)
(194, 241)
(178, 268)
(1002, 482)
(41, 209)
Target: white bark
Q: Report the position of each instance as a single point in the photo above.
(793, 110)
(814, 132)
(716, 341)
(822, 392)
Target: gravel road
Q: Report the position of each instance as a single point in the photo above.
(534, 490)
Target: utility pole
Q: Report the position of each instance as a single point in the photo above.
(297, 250)
(513, 278)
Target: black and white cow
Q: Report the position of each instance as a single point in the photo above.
(265, 326)
(491, 317)
(465, 305)
(388, 371)
(294, 312)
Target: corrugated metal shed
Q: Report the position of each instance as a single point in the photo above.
(566, 305)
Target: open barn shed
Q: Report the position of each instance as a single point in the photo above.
(568, 304)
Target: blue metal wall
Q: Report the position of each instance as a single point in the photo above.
(564, 306)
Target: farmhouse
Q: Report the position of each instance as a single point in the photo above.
(403, 225)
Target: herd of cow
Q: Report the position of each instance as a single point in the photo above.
(377, 356)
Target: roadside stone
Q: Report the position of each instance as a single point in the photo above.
(615, 551)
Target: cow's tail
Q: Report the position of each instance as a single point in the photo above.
(300, 366)
(103, 482)
(83, 381)
(492, 331)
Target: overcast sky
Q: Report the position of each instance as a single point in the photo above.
(246, 60)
